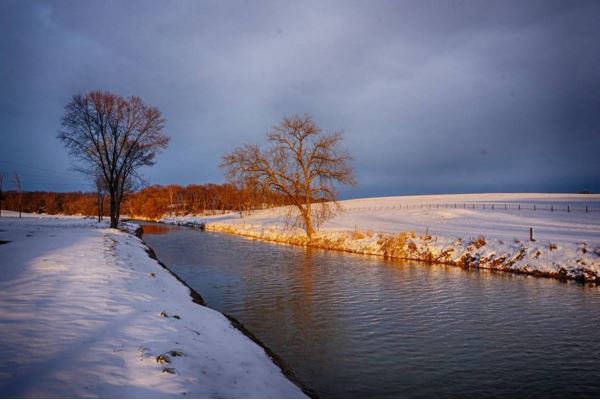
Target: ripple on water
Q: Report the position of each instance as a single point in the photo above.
(357, 326)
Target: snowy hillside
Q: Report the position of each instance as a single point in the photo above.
(443, 228)
(84, 312)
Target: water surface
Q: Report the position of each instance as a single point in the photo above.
(359, 326)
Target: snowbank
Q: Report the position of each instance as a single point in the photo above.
(476, 230)
(84, 312)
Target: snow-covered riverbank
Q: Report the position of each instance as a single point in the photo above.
(84, 312)
(463, 230)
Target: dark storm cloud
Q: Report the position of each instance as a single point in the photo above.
(433, 97)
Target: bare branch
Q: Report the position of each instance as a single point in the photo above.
(300, 163)
(112, 137)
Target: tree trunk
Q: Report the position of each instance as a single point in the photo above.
(118, 212)
(309, 227)
(306, 216)
(114, 218)
(99, 201)
(102, 207)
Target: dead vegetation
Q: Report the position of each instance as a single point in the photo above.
(479, 242)
(397, 245)
(357, 235)
(406, 245)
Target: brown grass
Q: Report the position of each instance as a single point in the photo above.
(394, 245)
(357, 235)
(479, 242)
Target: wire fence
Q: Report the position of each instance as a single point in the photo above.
(567, 208)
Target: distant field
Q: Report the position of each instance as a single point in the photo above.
(458, 216)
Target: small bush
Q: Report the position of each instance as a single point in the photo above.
(412, 246)
(357, 235)
(552, 246)
(393, 246)
(479, 242)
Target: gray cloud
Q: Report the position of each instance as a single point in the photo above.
(433, 96)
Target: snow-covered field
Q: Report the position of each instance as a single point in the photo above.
(84, 312)
(443, 228)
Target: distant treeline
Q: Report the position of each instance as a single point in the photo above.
(152, 202)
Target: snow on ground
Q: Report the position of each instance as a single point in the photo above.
(567, 237)
(80, 316)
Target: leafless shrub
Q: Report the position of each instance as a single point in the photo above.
(394, 245)
(357, 235)
(478, 242)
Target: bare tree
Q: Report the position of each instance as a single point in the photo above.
(16, 181)
(115, 136)
(300, 163)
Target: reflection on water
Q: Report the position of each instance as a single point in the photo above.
(157, 229)
(358, 326)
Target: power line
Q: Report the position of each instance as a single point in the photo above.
(47, 176)
(63, 173)
(28, 183)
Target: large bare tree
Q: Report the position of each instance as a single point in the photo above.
(113, 137)
(301, 163)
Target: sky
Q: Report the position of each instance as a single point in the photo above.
(431, 96)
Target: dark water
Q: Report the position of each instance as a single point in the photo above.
(356, 326)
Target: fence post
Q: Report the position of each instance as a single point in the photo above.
(568, 208)
(504, 206)
(534, 207)
(531, 234)
(586, 208)
(519, 207)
